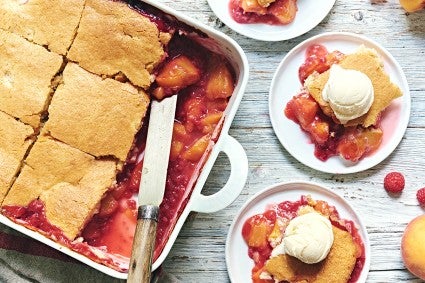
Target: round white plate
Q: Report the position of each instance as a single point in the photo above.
(239, 264)
(309, 15)
(285, 85)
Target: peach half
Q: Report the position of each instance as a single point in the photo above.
(413, 246)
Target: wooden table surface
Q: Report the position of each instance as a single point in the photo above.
(198, 254)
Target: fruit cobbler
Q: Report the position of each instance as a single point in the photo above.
(341, 101)
(76, 80)
(272, 12)
(303, 241)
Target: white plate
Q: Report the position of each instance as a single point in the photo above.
(239, 264)
(309, 15)
(285, 85)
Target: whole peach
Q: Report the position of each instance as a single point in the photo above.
(413, 246)
(412, 5)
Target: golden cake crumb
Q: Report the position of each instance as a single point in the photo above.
(97, 116)
(48, 23)
(86, 113)
(26, 72)
(51, 162)
(365, 60)
(15, 139)
(70, 207)
(113, 38)
(336, 267)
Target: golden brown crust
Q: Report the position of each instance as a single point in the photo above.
(98, 116)
(49, 23)
(92, 119)
(70, 207)
(50, 162)
(15, 139)
(367, 61)
(113, 38)
(337, 267)
(26, 71)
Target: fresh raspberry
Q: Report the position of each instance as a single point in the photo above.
(420, 195)
(394, 182)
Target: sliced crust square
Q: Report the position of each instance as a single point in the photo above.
(365, 60)
(113, 39)
(70, 207)
(48, 23)
(51, 163)
(26, 72)
(15, 139)
(97, 116)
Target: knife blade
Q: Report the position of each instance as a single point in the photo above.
(152, 187)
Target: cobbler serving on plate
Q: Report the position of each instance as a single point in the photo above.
(341, 101)
(272, 12)
(303, 241)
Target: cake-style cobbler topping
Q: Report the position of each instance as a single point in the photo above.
(79, 180)
(352, 141)
(264, 232)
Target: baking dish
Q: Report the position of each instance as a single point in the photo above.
(218, 43)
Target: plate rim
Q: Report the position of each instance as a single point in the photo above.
(406, 102)
(307, 186)
(258, 35)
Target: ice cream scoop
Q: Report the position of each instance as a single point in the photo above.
(349, 93)
(308, 237)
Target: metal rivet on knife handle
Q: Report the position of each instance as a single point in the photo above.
(148, 212)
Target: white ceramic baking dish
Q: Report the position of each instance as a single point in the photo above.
(220, 43)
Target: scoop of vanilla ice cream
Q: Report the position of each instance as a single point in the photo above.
(349, 93)
(308, 237)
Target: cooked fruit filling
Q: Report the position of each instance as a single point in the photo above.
(198, 118)
(77, 183)
(341, 101)
(272, 12)
(303, 240)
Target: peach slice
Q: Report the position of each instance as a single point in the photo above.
(180, 72)
(413, 246)
(357, 142)
(176, 149)
(220, 82)
(319, 131)
(265, 3)
(412, 5)
(252, 6)
(197, 149)
(284, 10)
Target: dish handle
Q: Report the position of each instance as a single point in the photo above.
(234, 185)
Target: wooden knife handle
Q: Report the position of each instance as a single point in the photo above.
(143, 245)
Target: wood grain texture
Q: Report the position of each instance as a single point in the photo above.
(198, 254)
(143, 246)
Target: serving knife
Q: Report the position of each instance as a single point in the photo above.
(152, 187)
